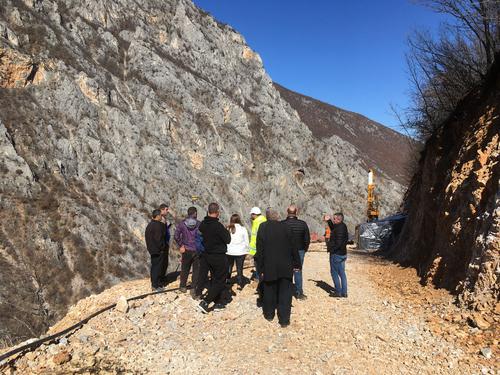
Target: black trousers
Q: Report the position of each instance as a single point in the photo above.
(239, 260)
(202, 274)
(278, 296)
(159, 265)
(217, 265)
(164, 267)
(188, 259)
(260, 285)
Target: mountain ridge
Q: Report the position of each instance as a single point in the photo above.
(378, 144)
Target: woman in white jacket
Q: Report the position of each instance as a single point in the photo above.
(237, 248)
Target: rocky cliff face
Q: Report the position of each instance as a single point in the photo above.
(452, 234)
(111, 108)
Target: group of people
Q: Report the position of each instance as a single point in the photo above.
(278, 248)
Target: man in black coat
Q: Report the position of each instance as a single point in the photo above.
(337, 247)
(156, 243)
(215, 240)
(277, 258)
(164, 209)
(301, 239)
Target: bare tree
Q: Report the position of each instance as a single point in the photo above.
(442, 70)
(478, 18)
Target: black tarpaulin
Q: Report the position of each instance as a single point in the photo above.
(380, 234)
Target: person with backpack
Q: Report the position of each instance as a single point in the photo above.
(215, 240)
(185, 236)
(156, 243)
(337, 247)
(237, 249)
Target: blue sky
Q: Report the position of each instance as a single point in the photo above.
(346, 53)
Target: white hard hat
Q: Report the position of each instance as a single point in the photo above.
(255, 211)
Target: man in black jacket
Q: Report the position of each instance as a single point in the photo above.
(277, 258)
(215, 240)
(337, 247)
(164, 209)
(156, 243)
(301, 240)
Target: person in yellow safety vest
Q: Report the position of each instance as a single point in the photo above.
(257, 219)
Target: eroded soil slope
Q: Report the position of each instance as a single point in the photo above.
(452, 234)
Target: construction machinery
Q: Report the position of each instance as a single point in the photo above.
(372, 211)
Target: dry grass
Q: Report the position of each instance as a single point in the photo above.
(6, 342)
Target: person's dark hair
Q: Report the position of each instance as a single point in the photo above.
(213, 208)
(192, 211)
(235, 219)
(339, 214)
(162, 206)
(273, 214)
(155, 213)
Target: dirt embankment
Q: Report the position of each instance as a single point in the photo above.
(452, 232)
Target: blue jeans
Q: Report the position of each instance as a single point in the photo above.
(337, 269)
(297, 276)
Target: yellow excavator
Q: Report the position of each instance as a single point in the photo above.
(372, 211)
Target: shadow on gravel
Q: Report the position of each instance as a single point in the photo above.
(325, 286)
(171, 277)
